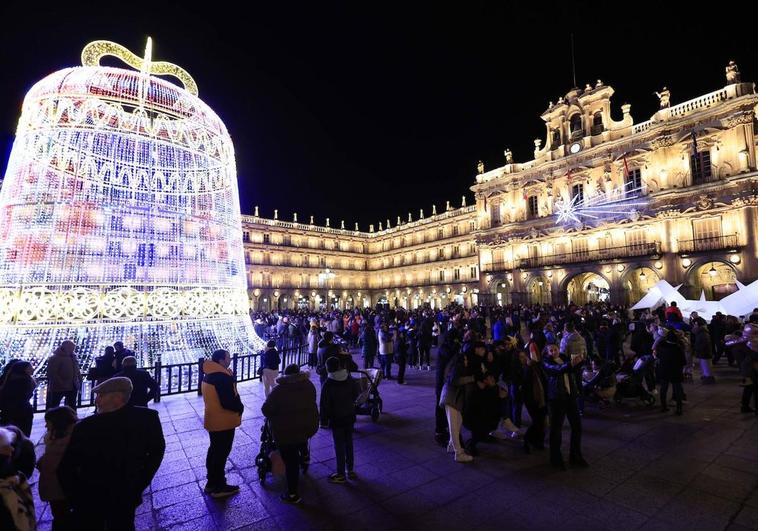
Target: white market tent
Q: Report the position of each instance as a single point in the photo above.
(739, 303)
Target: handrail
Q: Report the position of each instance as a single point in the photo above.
(574, 257)
(187, 377)
(710, 243)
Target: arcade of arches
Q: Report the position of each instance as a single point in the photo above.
(587, 287)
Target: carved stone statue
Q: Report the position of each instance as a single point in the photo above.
(480, 167)
(508, 156)
(732, 73)
(665, 97)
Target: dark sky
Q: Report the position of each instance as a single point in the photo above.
(370, 110)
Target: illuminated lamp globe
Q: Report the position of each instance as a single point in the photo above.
(712, 271)
(734, 258)
(686, 262)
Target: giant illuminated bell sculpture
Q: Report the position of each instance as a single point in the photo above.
(120, 219)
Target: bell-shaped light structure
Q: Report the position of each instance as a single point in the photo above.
(120, 218)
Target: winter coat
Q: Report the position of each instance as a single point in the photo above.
(313, 339)
(324, 352)
(457, 377)
(671, 358)
(144, 386)
(111, 459)
(368, 342)
(482, 412)
(338, 402)
(15, 395)
(49, 487)
(291, 409)
(556, 383)
(223, 407)
(702, 347)
(63, 374)
(386, 343)
(534, 387)
(642, 341)
(271, 359)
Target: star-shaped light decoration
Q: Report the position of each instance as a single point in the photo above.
(620, 201)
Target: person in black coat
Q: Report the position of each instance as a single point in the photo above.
(144, 386)
(326, 349)
(16, 389)
(401, 354)
(120, 353)
(105, 365)
(563, 378)
(449, 349)
(671, 363)
(535, 400)
(111, 459)
(338, 395)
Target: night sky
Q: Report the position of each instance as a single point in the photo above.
(369, 110)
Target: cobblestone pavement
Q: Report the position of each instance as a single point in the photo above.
(649, 470)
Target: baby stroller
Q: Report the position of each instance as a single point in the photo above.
(263, 460)
(631, 385)
(369, 402)
(599, 382)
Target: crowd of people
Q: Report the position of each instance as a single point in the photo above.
(490, 365)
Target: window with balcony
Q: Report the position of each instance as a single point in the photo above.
(440, 234)
(707, 233)
(636, 239)
(532, 207)
(442, 275)
(472, 273)
(633, 182)
(246, 236)
(495, 214)
(456, 274)
(440, 254)
(577, 191)
(472, 226)
(456, 251)
(579, 247)
(700, 166)
(456, 230)
(266, 238)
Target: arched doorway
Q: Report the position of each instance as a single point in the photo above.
(637, 283)
(502, 291)
(587, 287)
(715, 279)
(538, 290)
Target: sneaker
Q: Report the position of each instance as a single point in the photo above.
(463, 457)
(352, 475)
(290, 498)
(337, 478)
(508, 425)
(501, 434)
(223, 492)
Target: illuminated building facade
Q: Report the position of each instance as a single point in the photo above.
(604, 210)
(119, 218)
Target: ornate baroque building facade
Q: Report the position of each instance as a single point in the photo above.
(604, 210)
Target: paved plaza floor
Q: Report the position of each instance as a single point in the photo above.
(649, 470)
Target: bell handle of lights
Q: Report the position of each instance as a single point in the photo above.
(93, 52)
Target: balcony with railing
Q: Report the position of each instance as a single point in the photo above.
(710, 243)
(577, 257)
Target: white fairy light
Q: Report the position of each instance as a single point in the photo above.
(143, 241)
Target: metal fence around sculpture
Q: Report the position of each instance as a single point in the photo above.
(186, 377)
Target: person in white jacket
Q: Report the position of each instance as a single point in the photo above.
(386, 350)
(313, 338)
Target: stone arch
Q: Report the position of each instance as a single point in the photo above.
(500, 285)
(538, 290)
(698, 279)
(634, 286)
(573, 288)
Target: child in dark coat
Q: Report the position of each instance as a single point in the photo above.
(338, 395)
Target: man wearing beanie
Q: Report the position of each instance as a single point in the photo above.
(111, 459)
(338, 395)
(144, 386)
